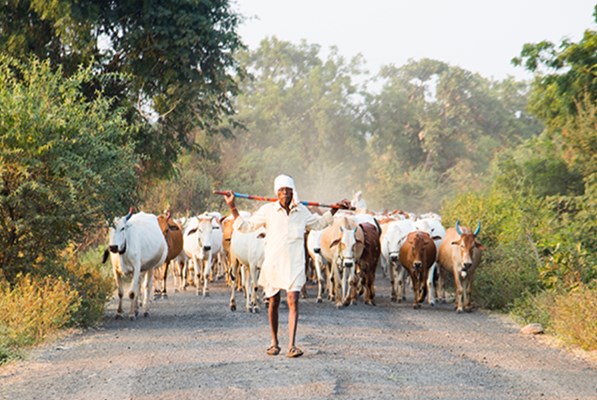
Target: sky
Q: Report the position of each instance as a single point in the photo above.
(477, 35)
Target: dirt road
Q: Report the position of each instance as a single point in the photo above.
(195, 348)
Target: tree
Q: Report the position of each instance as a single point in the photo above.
(436, 127)
(66, 162)
(563, 76)
(302, 117)
(178, 56)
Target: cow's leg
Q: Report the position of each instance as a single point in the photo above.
(146, 288)
(401, 282)
(134, 292)
(468, 289)
(330, 280)
(164, 277)
(355, 285)
(233, 278)
(197, 271)
(253, 286)
(244, 276)
(431, 284)
(393, 273)
(459, 292)
(347, 281)
(119, 283)
(337, 284)
(383, 262)
(206, 272)
(184, 274)
(317, 264)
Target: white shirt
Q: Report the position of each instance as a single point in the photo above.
(284, 263)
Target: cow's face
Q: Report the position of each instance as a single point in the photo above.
(117, 234)
(204, 231)
(346, 246)
(467, 246)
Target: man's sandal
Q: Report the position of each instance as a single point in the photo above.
(273, 350)
(294, 352)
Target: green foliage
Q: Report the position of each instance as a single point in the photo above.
(565, 74)
(437, 126)
(179, 57)
(93, 284)
(510, 225)
(65, 164)
(301, 116)
(534, 308)
(536, 167)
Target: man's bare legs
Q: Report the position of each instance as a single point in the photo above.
(272, 312)
(293, 312)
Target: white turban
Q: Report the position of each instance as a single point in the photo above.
(283, 181)
(286, 181)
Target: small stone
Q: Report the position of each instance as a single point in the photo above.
(532, 329)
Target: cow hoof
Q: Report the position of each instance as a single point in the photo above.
(119, 316)
(256, 310)
(393, 299)
(319, 300)
(416, 306)
(232, 307)
(339, 306)
(459, 310)
(432, 303)
(133, 317)
(145, 314)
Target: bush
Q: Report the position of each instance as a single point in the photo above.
(574, 317)
(534, 308)
(33, 309)
(94, 286)
(509, 265)
(62, 149)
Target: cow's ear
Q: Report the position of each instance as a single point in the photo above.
(436, 238)
(335, 242)
(261, 235)
(456, 242)
(479, 245)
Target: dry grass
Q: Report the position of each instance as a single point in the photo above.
(574, 317)
(33, 309)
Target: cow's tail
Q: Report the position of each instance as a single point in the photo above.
(106, 255)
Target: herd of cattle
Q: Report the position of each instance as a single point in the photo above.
(343, 258)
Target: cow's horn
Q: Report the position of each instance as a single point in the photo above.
(478, 229)
(458, 227)
(129, 215)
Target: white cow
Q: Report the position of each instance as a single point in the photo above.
(342, 245)
(314, 250)
(137, 245)
(433, 226)
(201, 242)
(247, 251)
(394, 235)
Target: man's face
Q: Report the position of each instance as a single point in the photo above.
(285, 196)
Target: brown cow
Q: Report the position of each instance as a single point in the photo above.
(173, 233)
(417, 255)
(460, 254)
(367, 264)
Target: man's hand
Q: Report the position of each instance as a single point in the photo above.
(229, 197)
(343, 204)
